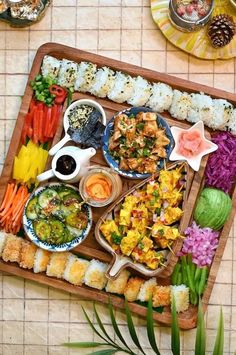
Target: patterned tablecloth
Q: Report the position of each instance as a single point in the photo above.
(35, 319)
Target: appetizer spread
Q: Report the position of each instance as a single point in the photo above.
(137, 142)
(217, 114)
(57, 214)
(147, 221)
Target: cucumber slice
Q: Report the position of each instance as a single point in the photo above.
(47, 196)
(31, 212)
(77, 220)
(74, 232)
(57, 228)
(42, 229)
(64, 191)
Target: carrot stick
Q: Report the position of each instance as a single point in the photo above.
(9, 201)
(19, 209)
(7, 193)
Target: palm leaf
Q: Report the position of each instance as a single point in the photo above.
(131, 327)
(116, 328)
(83, 344)
(104, 352)
(175, 340)
(92, 326)
(150, 328)
(200, 344)
(101, 325)
(219, 342)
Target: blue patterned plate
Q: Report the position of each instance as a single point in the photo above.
(29, 230)
(114, 164)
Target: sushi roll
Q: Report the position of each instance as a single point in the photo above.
(222, 112)
(231, 125)
(3, 238)
(141, 92)
(95, 275)
(181, 295)
(57, 264)
(12, 249)
(27, 255)
(201, 108)
(103, 82)
(132, 288)
(161, 296)
(118, 285)
(41, 260)
(146, 290)
(67, 73)
(50, 67)
(85, 76)
(180, 106)
(123, 88)
(161, 97)
(75, 270)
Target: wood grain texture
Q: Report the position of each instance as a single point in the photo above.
(90, 248)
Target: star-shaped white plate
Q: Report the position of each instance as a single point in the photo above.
(195, 161)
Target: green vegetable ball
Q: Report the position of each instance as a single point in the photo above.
(213, 208)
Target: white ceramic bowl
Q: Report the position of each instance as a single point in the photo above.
(67, 137)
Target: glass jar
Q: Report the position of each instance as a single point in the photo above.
(95, 178)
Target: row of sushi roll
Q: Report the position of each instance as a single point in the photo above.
(78, 271)
(217, 114)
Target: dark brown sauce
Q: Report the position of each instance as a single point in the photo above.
(66, 165)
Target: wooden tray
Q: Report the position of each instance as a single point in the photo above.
(90, 248)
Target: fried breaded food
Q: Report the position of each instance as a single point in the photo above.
(12, 248)
(132, 288)
(75, 270)
(57, 264)
(41, 260)
(161, 296)
(118, 285)
(27, 255)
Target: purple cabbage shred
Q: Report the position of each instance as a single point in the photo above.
(221, 166)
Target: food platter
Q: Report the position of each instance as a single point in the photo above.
(90, 248)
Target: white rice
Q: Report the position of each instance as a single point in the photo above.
(231, 125)
(3, 237)
(161, 97)
(201, 108)
(181, 295)
(95, 275)
(103, 83)
(50, 67)
(180, 106)
(222, 113)
(75, 270)
(146, 290)
(67, 73)
(122, 89)
(141, 93)
(85, 77)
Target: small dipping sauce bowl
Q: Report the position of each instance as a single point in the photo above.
(100, 186)
(193, 19)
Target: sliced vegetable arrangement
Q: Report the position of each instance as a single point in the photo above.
(41, 122)
(29, 163)
(12, 207)
(188, 273)
(57, 214)
(47, 91)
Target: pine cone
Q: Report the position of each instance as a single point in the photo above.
(221, 30)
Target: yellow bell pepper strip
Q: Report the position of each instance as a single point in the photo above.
(29, 163)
